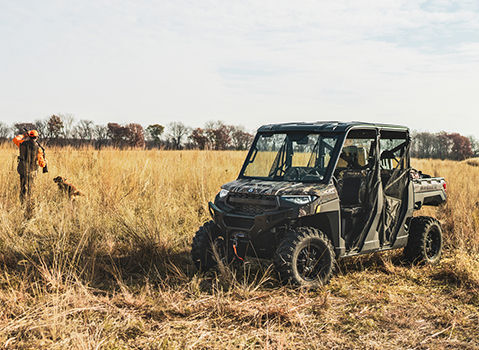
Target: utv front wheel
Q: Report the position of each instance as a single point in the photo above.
(208, 246)
(305, 257)
(425, 241)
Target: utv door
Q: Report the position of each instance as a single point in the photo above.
(396, 184)
(358, 183)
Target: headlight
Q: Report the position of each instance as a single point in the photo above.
(300, 200)
(223, 193)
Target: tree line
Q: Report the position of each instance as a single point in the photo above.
(63, 130)
(443, 145)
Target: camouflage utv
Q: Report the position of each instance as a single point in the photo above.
(311, 193)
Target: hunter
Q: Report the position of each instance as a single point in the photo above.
(31, 157)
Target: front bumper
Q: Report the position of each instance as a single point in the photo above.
(251, 225)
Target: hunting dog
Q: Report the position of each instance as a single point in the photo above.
(67, 188)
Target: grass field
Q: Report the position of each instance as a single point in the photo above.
(112, 270)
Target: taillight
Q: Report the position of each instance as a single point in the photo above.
(444, 185)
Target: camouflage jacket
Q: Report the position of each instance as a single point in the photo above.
(27, 161)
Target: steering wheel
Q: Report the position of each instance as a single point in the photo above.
(314, 172)
(291, 173)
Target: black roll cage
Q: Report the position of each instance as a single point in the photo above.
(287, 156)
(342, 136)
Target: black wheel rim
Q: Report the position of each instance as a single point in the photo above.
(313, 261)
(433, 243)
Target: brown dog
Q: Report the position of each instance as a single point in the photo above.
(67, 188)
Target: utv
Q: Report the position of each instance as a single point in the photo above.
(311, 193)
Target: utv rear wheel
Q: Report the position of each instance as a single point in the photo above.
(425, 241)
(208, 246)
(305, 257)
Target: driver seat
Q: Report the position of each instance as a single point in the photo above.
(352, 187)
(352, 196)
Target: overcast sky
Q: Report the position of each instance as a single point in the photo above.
(244, 62)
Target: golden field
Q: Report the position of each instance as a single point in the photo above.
(112, 270)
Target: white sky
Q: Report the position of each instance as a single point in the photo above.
(244, 62)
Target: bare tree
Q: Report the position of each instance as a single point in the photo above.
(68, 121)
(41, 126)
(200, 140)
(100, 133)
(474, 145)
(219, 134)
(5, 131)
(84, 130)
(240, 139)
(19, 127)
(177, 130)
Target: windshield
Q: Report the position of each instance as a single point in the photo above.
(295, 156)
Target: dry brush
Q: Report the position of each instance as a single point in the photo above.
(112, 269)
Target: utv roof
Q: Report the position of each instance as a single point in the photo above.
(329, 126)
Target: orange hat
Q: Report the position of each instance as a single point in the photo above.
(33, 133)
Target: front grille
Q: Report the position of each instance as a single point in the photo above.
(243, 223)
(252, 203)
(250, 209)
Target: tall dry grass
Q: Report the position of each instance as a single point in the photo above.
(112, 269)
(460, 215)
